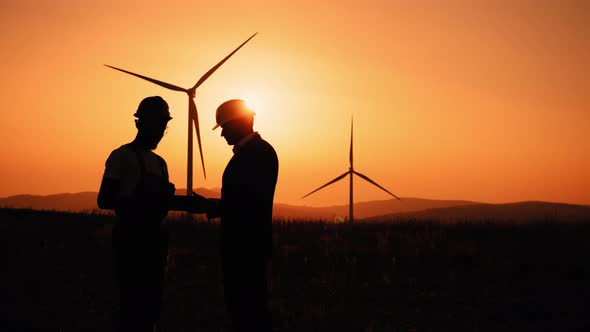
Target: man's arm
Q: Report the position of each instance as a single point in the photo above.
(108, 194)
(109, 197)
(110, 187)
(194, 204)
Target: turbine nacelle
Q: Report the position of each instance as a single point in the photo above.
(191, 93)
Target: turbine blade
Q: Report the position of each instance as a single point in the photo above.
(192, 108)
(160, 83)
(375, 183)
(329, 183)
(350, 142)
(212, 70)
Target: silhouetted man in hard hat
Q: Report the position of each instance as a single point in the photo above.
(135, 185)
(245, 209)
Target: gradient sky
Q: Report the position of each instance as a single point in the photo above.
(476, 100)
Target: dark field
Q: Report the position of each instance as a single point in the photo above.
(404, 276)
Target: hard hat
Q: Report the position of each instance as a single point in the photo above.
(153, 108)
(231, 110)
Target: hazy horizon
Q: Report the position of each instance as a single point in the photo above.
(180, 191)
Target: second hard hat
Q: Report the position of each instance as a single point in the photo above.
(231, 110)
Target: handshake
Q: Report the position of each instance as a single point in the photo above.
(196, 204)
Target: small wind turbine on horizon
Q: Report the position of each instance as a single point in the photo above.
(193, 116)
(350, 172)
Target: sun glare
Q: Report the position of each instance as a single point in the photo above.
(263, 101)
(257, 103)
(254, 102)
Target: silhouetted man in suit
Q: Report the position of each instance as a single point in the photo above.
(245, 209)
(135, 184)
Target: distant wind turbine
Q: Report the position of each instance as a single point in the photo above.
(193, 115)
(350, 172)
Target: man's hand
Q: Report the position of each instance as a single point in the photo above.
(199, 204)
(193, 204)
(169, 189)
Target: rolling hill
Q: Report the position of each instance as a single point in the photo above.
(520, 212)
(422, 209)
(86, 201)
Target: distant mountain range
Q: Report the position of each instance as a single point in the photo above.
(521, 212)
(364, 209)
(373, 210)
(74, 202)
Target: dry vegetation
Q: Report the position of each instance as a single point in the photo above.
(403, 276)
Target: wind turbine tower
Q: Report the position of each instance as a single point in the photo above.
(350, 173)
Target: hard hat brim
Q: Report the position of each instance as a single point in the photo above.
(228, 120)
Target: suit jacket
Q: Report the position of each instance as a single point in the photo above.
(247, 195)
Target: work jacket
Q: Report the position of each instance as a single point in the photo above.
(143, 191)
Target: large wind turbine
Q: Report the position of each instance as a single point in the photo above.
(193, 116)
(350, 172)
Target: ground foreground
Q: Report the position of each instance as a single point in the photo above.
(404, 276)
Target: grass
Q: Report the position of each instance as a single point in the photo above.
(402, 276)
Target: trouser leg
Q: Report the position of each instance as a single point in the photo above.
(140, 263)
(246, 294)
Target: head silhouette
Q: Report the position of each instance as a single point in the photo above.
(236, 120)
(233, 131)
(152, 120)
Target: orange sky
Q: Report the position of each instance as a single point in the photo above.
(477, 100)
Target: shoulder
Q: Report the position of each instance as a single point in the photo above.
(124, 149)
(123, 155)
(120, 160)
(159, 158)
(120, 153)
(263, 155)
(263, 147)
(271, 153)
